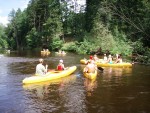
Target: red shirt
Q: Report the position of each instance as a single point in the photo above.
(59, 67)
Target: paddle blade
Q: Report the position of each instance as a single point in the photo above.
(100, 68)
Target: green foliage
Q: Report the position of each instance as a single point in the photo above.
(31, 39)
(107, 24)
(145, 57)
(102, 37)
(3, 42)
(56, 43)
(122, 45)
(138, 47)
(143, 53)
(85, 47)
(70, 46)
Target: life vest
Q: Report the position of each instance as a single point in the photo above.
(59, 67)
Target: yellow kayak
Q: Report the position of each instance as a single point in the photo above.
(90, 75)
(45, 52)
(60, 53)
(114, 65)
(83, 61)
(49, 76)
(65, 80)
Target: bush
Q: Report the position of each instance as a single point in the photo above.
(56, 43)
(85, 47)
(70, 46)
(122, 46)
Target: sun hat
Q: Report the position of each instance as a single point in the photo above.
(61, 61)
(41, 60)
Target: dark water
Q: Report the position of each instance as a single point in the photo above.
(116, 90)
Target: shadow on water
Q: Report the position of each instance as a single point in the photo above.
(115, 90)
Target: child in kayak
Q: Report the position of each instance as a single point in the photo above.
(60, 66)
(40, 69)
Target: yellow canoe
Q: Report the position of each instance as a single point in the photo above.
(83, 61)
(60, 53)
(99, 64)
(45, 52)
(49, 76)
(65, 80)
(114, 65)
(90, 75)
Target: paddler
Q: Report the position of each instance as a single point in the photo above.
(60, 66)
(90, 67)
(40, 68)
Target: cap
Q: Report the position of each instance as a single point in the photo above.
(91, 57)
(61, 61)
(40, 60)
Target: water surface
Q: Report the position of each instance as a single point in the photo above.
(116, 90)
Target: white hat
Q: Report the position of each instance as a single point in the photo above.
(61, 61)
(41, 60)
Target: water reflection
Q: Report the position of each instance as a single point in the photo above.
(63, 92)
(73, 97)
(110, 72)
(90, 86)
(43, 87)
(45, 54)
(116, 90)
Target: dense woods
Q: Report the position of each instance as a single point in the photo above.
(116, 26)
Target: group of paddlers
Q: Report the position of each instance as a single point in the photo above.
(90, 67)
(42, 70)
(91, 63)
(107, 59)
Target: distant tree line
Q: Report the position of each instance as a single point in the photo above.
(116, 26)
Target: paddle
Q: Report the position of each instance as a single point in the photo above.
(46, 66)
(100, 69)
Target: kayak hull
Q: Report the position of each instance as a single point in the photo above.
(114, 65)
(83, 61)
(49, 76)
(45, 52)
(90, 76)
(99, 64)
(60, 53)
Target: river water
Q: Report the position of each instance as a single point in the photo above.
(115, 90)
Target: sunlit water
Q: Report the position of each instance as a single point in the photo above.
(116, 90)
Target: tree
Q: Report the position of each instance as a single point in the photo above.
(3, 36)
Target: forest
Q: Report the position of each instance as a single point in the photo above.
(115, 26)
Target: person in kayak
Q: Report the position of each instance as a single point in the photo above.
(90, 67)
(109, 59)
(95, 58)
(40, 69)
(105, 57)
(104, 60)
(60, 66)
(119, 59)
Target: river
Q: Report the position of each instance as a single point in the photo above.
(115, 90)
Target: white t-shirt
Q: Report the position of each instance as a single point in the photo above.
(40, 69)
(105, 58)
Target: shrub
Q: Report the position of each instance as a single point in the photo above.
(70, 46)
(56, 43)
